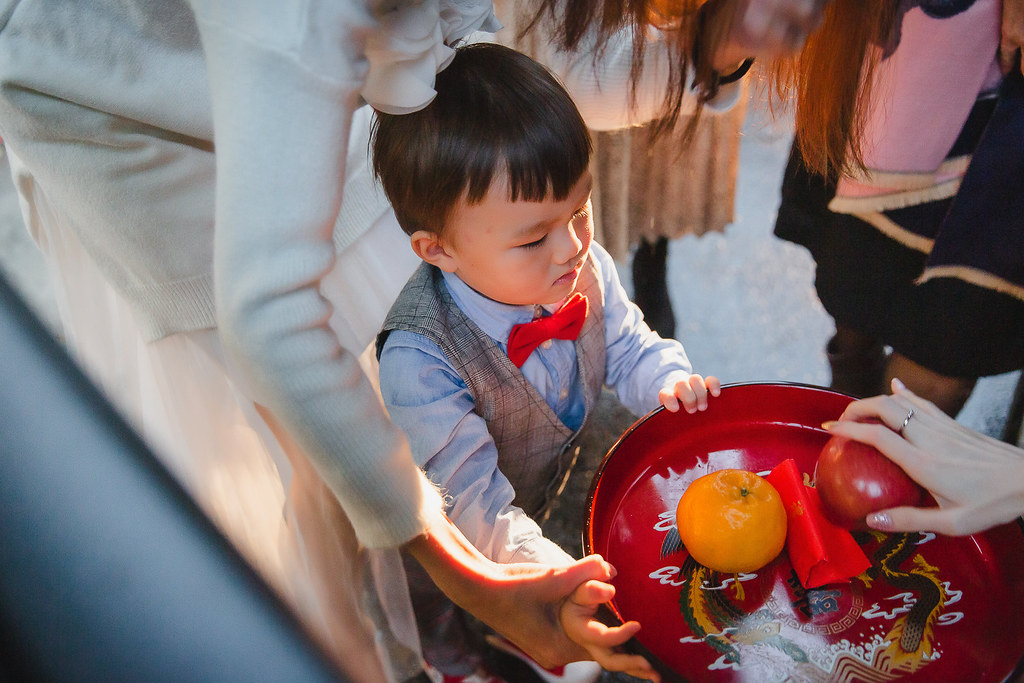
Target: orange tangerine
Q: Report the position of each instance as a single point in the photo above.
(732, 521)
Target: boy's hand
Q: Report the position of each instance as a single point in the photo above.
(692, 393)
(577, 616)
(547, 612)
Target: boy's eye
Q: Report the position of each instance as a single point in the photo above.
(534, 244)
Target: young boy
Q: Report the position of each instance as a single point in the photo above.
(491, 183)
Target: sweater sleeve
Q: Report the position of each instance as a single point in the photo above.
(284, 79)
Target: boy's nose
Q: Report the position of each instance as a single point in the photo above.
(573, 245)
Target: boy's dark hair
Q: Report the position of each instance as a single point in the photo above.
(496, 111)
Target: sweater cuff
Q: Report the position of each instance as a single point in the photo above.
(540, 550)
(389, 531)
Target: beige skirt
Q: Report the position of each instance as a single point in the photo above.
(661, 188)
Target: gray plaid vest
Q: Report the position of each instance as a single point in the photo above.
(535, 450)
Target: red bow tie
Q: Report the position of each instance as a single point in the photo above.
(565, 323)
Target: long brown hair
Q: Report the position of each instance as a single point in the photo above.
(830, 82)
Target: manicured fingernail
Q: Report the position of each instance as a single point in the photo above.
(897, 384)
(828, 424)
(880, 521)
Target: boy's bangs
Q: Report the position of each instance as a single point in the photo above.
(549, 161)
(543, 156)
(496, 112)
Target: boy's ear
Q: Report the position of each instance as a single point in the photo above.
(428, 247)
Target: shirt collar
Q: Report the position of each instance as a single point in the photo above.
(493, 317)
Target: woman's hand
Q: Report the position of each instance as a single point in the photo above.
(548, 612)
(977, 481)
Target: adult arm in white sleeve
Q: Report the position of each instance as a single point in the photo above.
(285, 79)
(278, 106)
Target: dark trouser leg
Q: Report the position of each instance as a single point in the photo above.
(857, 362)
(650, 289)
(860, 368)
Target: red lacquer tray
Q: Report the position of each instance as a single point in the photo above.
(931, 608)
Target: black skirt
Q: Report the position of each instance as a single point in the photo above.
(867, 281)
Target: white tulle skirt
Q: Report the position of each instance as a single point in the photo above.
(241, 469)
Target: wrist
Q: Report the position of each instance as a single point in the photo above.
(715, 60)
(735, 72)
(1016, 496)
(458, 568)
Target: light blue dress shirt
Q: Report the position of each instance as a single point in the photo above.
(429, 401)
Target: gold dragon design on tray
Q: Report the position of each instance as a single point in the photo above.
(720, 621)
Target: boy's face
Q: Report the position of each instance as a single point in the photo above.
(520, 252)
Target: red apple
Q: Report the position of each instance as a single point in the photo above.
(854, 479)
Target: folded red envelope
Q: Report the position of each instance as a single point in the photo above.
(819, 551)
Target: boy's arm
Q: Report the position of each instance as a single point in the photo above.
(638, 361)
(426, 398)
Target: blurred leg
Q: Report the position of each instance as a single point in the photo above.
(948, 393)
(650, 288)
(332, 564)
(857, 362)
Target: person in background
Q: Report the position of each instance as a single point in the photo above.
(171, 163)
(903, 184)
